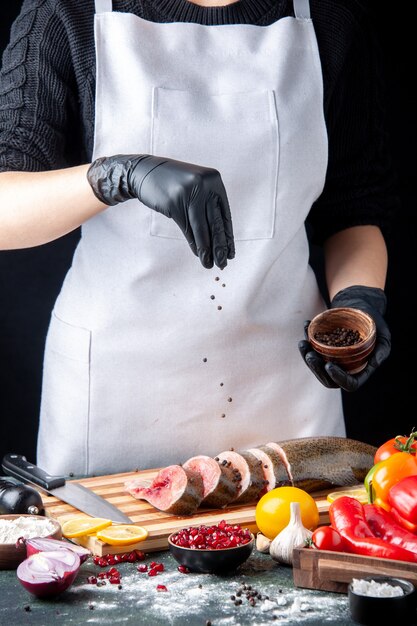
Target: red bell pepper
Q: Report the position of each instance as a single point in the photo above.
(384, 526)
(412, 528)
(403, 497)
(348, 518)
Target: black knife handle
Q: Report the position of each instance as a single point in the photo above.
(16, 465)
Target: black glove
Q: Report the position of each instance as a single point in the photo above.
(192, 195)
(372, 301)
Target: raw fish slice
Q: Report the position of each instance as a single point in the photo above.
(274, 470)
(248, 469)
(174, 490)
(220, 485)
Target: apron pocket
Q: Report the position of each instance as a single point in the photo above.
(236, 133)
(63, 434)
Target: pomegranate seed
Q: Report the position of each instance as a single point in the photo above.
(124, 557)
(140, 555)
(153, 563)
(159, 567)
(110, 560)
(161, 588)
(115, 580)
(117, 558)
(142, 568)
(153, 572)
(92, 580)
(183, 569)
(131, 557)
(101, 575)
(113, 571)
(96, 560)
(102, 562)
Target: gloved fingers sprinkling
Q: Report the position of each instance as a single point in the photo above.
(227, 219)
(181, 218)
(201, 230)
(218, 235)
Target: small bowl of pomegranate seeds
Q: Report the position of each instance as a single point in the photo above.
(345, 336)
(212, 549)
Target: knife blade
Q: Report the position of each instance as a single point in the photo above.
(72, 493)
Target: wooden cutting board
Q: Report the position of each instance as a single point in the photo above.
(158, 524)
(333, 571)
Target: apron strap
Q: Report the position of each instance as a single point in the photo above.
(301, 9)
(104, 6)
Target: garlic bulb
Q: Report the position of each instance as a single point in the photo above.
(262, 543)
(292, 536)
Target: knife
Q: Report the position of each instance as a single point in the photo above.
(74, 494)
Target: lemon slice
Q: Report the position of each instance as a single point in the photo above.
(79, 526)
(122, 535)
(359, 493)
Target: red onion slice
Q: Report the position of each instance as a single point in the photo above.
(47, 574)
(46, 544)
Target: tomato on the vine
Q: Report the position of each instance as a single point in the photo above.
(327, 538)
(400, 443)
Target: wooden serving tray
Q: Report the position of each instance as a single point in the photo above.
(333, 571)
(158, 524)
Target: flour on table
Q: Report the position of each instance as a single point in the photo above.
(200, 594)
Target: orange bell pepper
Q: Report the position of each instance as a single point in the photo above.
(389, 472)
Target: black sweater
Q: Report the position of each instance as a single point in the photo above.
(47, 86)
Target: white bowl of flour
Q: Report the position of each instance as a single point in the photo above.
(12, 527)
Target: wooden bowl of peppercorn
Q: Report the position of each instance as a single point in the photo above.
(344, 336)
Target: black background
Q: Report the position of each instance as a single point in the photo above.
(30, 279)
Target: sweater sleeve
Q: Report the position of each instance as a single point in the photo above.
(38, 101)
(361, 183)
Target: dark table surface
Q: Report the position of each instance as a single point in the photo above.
(191, 600)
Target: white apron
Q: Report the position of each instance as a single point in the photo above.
(150, 358)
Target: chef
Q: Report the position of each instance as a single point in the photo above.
(192, 141)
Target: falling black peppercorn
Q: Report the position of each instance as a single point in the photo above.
(205, 360)
(219, 308)
(217, 278)
(212, 297)
(224, 285)
(71, 474)
(221, 384)
(223, 415)
(229, 399)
